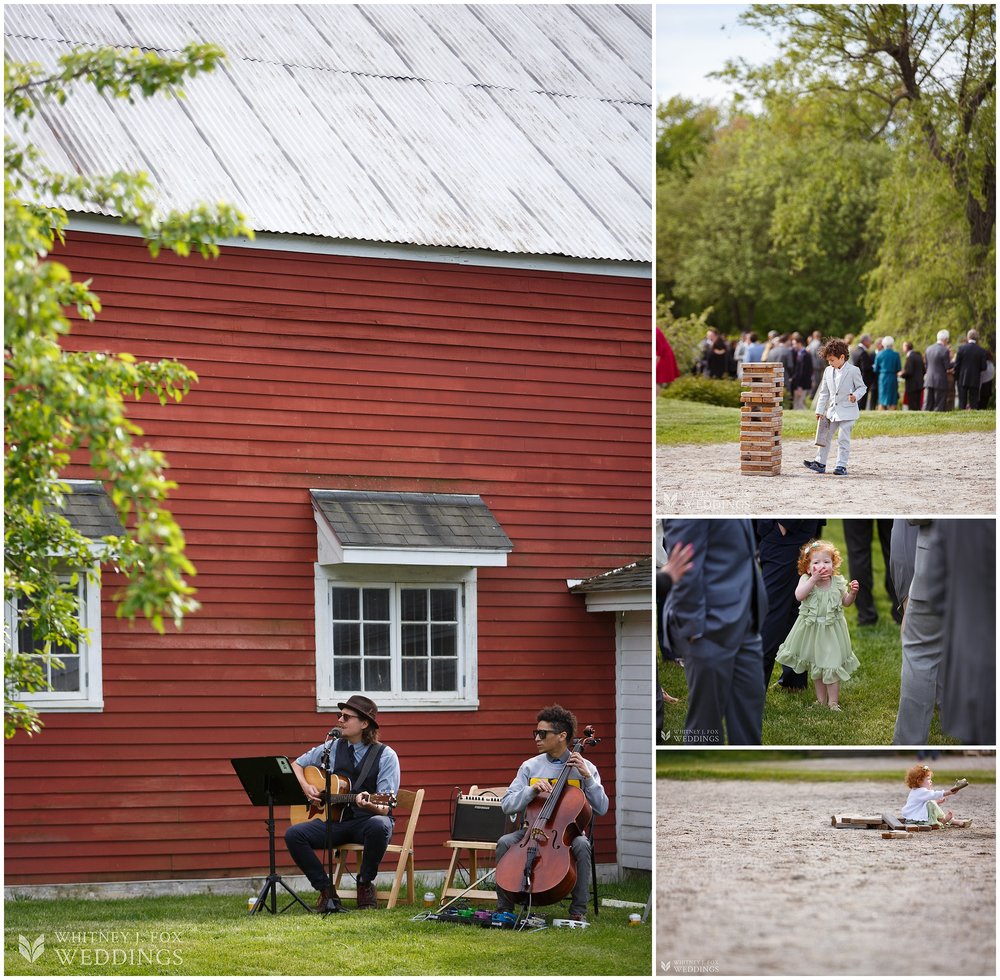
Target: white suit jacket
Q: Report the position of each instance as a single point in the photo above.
(834, 402)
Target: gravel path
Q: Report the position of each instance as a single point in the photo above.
(951, 474)
(753, 880)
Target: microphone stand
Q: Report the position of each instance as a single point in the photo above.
(333, 903)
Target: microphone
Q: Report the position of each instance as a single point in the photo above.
(333, 733)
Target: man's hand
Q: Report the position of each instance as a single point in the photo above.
(363, 801)
(311, 791)
(542, 788)
(578, 762)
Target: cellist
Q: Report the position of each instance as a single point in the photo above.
(553, 735)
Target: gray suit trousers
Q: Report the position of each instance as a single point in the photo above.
(923, 638)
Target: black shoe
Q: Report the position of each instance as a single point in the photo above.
(840, 471)
(814, 466)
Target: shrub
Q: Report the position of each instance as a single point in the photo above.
(710, 391)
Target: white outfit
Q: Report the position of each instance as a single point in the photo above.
(834, 401)
(916, 802)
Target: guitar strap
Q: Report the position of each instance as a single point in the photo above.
(370, 759)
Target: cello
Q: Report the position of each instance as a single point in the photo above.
(542, 866)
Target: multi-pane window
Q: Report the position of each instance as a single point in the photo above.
(411, 641)
(396, 637)
(76, 685)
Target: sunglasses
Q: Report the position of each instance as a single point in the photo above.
(344, 717)
(543, 732)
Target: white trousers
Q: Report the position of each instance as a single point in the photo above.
(843, 430)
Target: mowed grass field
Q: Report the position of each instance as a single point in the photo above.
(212, 935)
(683, 422)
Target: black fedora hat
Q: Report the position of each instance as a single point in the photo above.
(365, 707)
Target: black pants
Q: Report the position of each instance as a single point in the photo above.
(968, 396)
(858, 534)
(305, 839)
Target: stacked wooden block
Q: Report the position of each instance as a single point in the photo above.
(760, 418)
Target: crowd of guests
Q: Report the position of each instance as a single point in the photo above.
(935, 381)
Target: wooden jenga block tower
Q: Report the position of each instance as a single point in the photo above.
(760, 418)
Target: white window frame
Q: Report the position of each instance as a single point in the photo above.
(90, 697)
(395, 577)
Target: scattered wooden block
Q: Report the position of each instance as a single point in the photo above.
(914, 828)
(890, 820)
(870, 823)
(894, 835)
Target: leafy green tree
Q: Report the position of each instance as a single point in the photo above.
(59, 403)
(927, 68)
(921, 80)
(771, 227)
(684, 131)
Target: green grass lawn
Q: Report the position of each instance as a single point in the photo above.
(213, 935)
(682, 422)
(779, 766)
(870, 699)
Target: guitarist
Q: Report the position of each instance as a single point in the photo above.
(553, 734)
(365, 823)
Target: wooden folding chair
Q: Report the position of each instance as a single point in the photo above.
(407, 800)
(475, 848)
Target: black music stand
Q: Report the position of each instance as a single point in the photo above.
(269, 780)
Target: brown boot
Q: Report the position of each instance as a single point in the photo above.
(366, 895)
(328, 901)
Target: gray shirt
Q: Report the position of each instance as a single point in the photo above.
(520, 793)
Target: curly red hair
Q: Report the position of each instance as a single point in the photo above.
(818, 544)
(917, 774)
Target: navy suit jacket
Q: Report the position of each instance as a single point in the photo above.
(722, 596)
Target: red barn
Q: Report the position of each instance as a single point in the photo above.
(420, 437)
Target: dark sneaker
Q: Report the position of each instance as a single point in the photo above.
(811, 464)
(840, 471)
(366, 895)
(578, 917)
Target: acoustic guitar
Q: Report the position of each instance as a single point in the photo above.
(341, 797)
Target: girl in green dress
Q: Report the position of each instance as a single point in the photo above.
(819, 642)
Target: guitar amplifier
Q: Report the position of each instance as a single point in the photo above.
(480, 818)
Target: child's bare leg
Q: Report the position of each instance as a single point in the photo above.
(833, 694)
(820, 691)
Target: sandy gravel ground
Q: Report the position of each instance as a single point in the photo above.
(951, 474)
(753, 880)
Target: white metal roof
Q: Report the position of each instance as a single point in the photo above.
(523, 129)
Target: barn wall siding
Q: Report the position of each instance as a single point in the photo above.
(318, 371)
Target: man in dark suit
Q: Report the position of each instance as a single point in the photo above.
(862, 360)
(913, 376)
(714, 617)
(970, 363)
(779, 543)
(938, 359)
(858, 536)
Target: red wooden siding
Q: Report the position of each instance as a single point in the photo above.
(529, 388)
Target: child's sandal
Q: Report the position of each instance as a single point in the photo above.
(835, 707)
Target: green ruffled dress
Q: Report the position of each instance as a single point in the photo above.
(819, 643)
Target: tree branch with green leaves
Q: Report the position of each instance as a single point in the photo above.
(59, 402)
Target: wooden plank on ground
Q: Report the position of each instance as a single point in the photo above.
(894, 835)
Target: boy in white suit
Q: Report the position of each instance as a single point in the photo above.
(838, 396)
